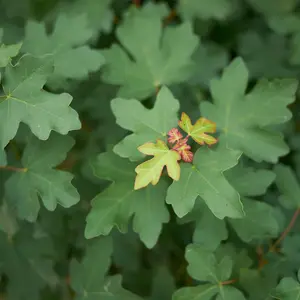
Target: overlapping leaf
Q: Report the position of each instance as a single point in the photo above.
(205, 178)
(245, 120)
(73, 58)
(24, 100)
(26, 260)
(38, 180)
(7, 51)
(204, 266)
(215, 9)
(150, 171)
(163, 58)
(95, 285)
(119, 202)
(147, 125)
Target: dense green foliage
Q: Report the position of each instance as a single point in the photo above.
(91, 88)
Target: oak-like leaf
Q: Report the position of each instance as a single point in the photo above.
(174, 136)
(150, 171)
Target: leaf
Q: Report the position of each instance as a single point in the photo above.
(203, 266)
(72, 57)
(7, 51)
(184, 150)
(205, 178)
(174, 136)
(288, 186)
(92, 285)
(150, 171)
(147, 125)
(164, 57)
(99, 14)
(38, 179)
(287, 289)
(26, 101)
(242, 119)
(119, 202)
(2, 158)
(215, 9)
(251, 227)
(26, 254)
(198, 130)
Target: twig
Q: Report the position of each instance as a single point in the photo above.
(10, 168)
(286, 231)
(227, 282)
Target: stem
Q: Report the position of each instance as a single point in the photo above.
(10, 168)
(286, 231)
(227, 282)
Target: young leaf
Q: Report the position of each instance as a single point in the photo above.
(184, 150)
(72, 57)
(26, 101)
(164, 58)
(39, 179)
(174, 136)
(205, 178)
(146, 125)
(242, 119)
(151, 170)
(119, 202)
(198, 130)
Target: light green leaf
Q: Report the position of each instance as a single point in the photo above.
(147, 125)
(7, 51)
(164, 57)
(26, 101)
(242, 119)
(93, 285)
(39, 180)
(205, 178)
(214, 9)
(288, 186)
(67, 43)
(150, 171)
(119, 202)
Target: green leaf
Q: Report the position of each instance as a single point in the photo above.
(200, 292)
(259, 223)
(116, 204)
(67, 44)
(204, 266)
(2, 158)
(164, 57)
(287, 289)
(26, 101)
(26, 260)
(243, 119)
(205, 178)
(99, 15)
(93, 285)
(147, 125)
(7, 51)
(39, 180)
(150, 171)
(215, 9)
(288, 186)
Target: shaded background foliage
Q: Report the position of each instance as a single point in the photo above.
(98, 50)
